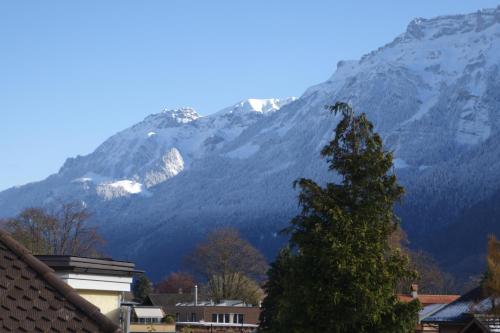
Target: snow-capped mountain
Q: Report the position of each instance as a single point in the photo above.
(149, 152)
(433, 93)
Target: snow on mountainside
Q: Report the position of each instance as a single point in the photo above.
(161, 146)
(433, 93)
(142, 156)
(257, 105)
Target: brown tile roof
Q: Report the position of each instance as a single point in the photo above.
(34, 299)
(430, 299)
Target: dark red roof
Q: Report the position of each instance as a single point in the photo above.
(34, 299)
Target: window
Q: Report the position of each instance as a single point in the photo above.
(177, 316)
(148, 320)
(221, 318)
(240, 318)
(214, 317)
(235, 318)
(226, 318)
(193, 317)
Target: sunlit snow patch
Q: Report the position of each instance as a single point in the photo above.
(120, 188)
(82, 180)
(129, 186)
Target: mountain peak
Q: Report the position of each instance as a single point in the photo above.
(440, 26)
(170, 117)
(256, 105)
(182, 115)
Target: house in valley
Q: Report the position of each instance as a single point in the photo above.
(473, 312)
(431, 303)
(206, 316)
(224, 316)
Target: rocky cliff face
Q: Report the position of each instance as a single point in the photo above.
(433, 93)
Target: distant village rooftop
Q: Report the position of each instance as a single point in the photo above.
(235, 303)
(215, 324)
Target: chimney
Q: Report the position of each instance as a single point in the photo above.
(196, 295)
(414, 290)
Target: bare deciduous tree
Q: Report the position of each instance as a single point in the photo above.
(230, 265)
(491, 282)
(74, 235)
(34, 228)
(65, 231)
(176, 282)
(431, 278)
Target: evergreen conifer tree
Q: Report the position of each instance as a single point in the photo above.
(271, 316)
(141, 288)
(343, 273)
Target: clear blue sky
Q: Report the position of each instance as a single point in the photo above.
(72, 73)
